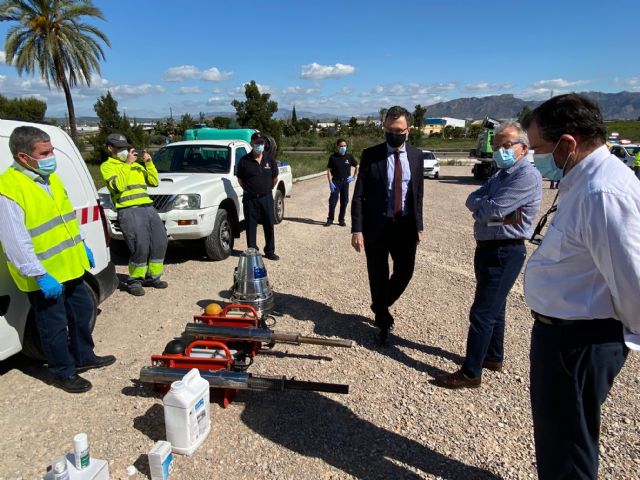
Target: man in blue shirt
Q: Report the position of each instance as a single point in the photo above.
(504, 209)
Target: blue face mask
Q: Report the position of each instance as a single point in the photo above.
(342, 150)
(545, 163)
(259, 148)
(504, 158)
(46, 166)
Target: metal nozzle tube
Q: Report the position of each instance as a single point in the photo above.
(282, 383)
(261, 335)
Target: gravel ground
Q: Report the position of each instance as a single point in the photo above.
(393, 424)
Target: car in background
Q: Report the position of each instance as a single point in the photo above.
(431, 165)
(625, 152)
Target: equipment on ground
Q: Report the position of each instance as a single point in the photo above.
(251, 284)
(223, 346)
(484, 150)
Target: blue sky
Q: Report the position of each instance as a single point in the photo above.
(348, 57)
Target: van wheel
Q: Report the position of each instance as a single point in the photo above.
(219, 243)
(278, 206)
(31, 345)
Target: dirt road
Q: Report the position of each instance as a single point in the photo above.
(393, 424)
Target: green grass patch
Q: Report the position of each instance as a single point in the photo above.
(94, 170)
(628, 130)
(305, 163)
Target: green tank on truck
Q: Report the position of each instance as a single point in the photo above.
(484, 150)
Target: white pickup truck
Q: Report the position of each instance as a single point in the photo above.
(199, 197)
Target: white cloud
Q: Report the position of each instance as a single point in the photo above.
(218, 101)
(125, 91)
(238, 92)
(345, 91)
(632, 83)
(183, 72)
(318, 72)
(483, 86)
(215, 75)
(300, 91)
(189, 90)
(3, 57)
(556, 83)
(409, 90)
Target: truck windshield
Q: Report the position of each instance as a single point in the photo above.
(193, 158)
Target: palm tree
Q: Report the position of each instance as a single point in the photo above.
(51, 36)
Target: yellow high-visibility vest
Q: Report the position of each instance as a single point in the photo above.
(127, 182)
(52, 225)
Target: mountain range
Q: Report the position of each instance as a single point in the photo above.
(615, 106)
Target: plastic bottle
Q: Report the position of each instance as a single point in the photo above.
(59, 468)
(186, 413)
(81, 451)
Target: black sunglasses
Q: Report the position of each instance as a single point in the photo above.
(537, 236)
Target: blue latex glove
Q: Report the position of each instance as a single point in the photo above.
(92, 261)
(350, 178)
(49, 286)
(332, 187)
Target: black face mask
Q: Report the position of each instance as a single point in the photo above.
(395, 140)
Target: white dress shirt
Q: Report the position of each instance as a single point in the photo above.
(588, 264)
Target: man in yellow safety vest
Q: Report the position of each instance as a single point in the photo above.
(144, 233)
(47, 257)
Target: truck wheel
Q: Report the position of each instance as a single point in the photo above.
(278, 206)
(31, 345)
(219, 243)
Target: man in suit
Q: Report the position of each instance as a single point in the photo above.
(386, 215)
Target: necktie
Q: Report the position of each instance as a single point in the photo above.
(397, 185)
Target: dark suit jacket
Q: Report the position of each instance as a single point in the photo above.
(370, 196)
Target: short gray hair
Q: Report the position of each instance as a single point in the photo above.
(522, 135)
(23, 139)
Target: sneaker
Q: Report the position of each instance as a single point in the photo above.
(272, 256)
(97, 362)
(74, 384)
(135, 289)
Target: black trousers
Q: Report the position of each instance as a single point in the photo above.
(259, 210)
(572, 371)
(398, 239)
(342, 191)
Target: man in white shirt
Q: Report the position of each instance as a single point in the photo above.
(582, 284)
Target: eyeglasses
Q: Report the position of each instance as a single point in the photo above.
(506, 145)
(537, 236)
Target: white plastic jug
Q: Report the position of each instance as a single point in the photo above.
(187, 417)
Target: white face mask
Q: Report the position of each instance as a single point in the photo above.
(122, 155)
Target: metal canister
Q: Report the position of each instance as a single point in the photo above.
(251, 283)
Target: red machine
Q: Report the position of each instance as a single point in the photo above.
(222, 347)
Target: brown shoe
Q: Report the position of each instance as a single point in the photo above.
(492, 365)
(456, 380)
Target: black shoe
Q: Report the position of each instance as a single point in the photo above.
(156, 283)
(272, 256)
(97, 362)
(492, 365)
(328, 223)
(342, 224)
(135, 289)
(74, 384)
(381, 337)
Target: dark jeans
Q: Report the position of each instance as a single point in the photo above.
(572, 371)
(496, 267)
(259, 210)
(398, 239)
(64, 327)
(342, 191)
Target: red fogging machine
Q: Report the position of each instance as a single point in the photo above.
(222, 346)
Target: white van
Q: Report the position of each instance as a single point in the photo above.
(17, 326)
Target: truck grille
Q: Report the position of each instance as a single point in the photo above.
(162, 203)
